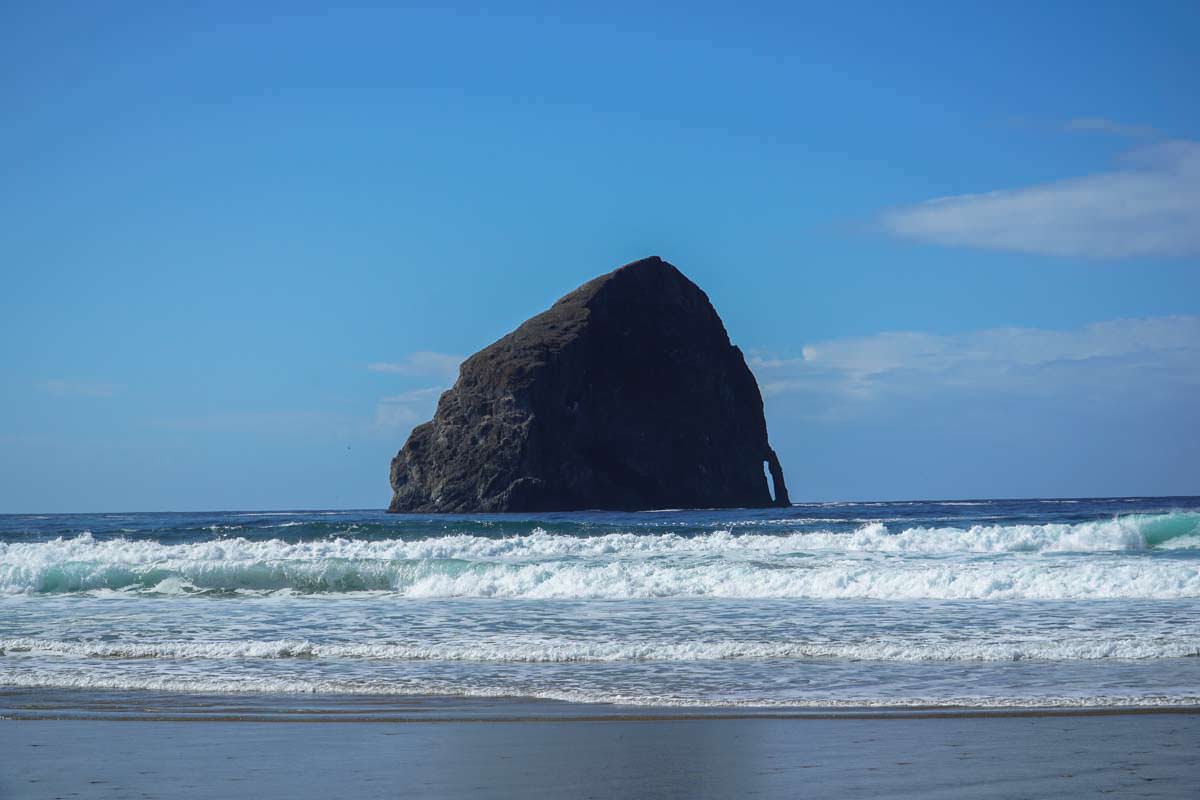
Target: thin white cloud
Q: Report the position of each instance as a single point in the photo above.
(393, 416)
(405, 410)
(71, 388)
(262, 422)
(1102, 125)
(1148, 208)
(423, 363)
(1156, 354)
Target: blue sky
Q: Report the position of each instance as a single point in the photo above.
(243, 246)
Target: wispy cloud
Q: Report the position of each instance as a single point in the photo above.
(405, 410)
(400, 412)
(262, 422)
(73, 388)
(1102, 125)
(1154, 355)
(423, 363)
(1149, 207)
(393, 416)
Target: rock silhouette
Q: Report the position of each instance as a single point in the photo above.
(626, 394)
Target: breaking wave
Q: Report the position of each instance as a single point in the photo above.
(980, 562)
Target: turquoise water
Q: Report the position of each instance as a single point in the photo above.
(1081, 603)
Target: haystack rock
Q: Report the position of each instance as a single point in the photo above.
(626, 394)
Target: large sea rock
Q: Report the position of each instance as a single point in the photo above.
(625, 394)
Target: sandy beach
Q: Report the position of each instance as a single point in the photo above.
(439, 748)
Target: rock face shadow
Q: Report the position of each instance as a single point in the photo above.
(626, 394)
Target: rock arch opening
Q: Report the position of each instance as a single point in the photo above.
(770, 480)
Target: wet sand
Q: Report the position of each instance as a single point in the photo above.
(582, 751)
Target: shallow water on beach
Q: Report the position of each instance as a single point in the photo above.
(1029, 603)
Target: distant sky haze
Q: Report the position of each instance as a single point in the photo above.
(244, 246)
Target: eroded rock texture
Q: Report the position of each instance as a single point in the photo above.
(625, 394)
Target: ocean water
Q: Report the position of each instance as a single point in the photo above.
(1021, 603)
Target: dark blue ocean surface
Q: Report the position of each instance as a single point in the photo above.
(1071, 602)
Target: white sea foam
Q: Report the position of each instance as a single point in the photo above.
(981, 562)
(238, 684)
(534, 650)
(566, 580)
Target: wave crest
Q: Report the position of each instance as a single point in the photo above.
(1029, 562)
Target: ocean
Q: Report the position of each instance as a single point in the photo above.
(1050, 603)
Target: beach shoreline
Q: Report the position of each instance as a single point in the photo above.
(71, 704)
(987, 650)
